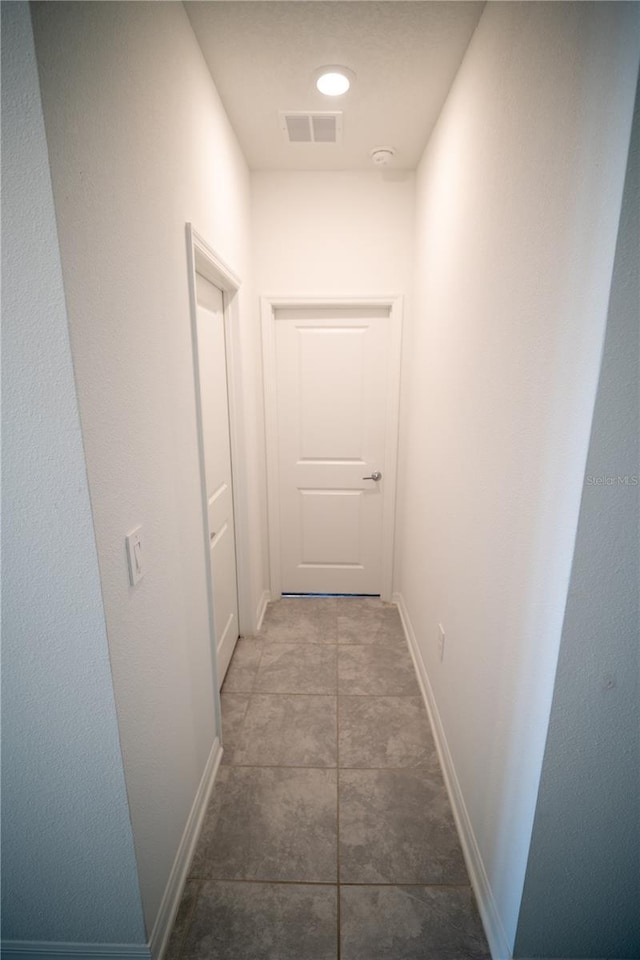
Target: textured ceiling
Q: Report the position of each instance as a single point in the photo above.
(262, 56)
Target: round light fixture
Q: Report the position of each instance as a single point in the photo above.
(333, 81)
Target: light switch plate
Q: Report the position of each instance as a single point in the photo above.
(134, 556)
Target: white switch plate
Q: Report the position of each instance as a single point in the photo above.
(441, 640)
(134, 556)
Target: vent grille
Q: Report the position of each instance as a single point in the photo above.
(324, 129)
(300, 127)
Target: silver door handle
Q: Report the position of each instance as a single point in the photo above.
(376, 475)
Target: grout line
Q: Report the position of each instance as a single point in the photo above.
(436, 886)
(202, 878)
(278, 766)
(302, 638)
(342, 644)
(291, 693)
(363, 696)
(310, 766)
(296, 693)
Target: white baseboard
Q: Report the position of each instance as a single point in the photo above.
(493, 927)
(39, 949)
(175, 884)
(262, 609)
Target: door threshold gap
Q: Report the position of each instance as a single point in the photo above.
(355, 596)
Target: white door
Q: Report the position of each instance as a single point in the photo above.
(336, 408)
(217, 456)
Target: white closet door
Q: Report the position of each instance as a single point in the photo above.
(217, 455)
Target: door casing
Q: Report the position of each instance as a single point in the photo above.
(269, 306)
(203, 259)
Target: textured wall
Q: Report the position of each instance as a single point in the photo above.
(583, 875)
(68, 861)
(139, 144)
(518, 199)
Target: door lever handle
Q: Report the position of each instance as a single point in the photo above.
(376, 475)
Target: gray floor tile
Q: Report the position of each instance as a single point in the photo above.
(285, 730)
(181, 923)
(386, 732)
(243, 667)
(300, 620)
(410, 923)
(382, 671)
(271, 819)
(368, 621)
(270, 823)
(263, 921)
(234, 708)
(396, 826)
(297, 668)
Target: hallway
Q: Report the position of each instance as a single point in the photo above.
(509, 231)
(329, 811)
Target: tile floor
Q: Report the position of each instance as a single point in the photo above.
(329, 835)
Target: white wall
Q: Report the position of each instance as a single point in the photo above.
(587, 817)
(518, 198)
(324, 233)
(139, 144)
(67, 849)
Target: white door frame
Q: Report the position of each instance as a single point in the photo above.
(202, 259)
(268, 307)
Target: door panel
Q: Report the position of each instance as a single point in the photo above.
(330, 381)
(330, 526)
(217, 457)
(332, 385)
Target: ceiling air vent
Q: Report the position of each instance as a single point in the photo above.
(300, 127)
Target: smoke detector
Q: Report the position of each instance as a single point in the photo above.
(382, 156)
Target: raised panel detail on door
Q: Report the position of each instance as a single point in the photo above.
(333, 380)
(217, 456)
(330, 527)
(331, 419)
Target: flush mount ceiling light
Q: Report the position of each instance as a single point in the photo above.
(333, 80)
